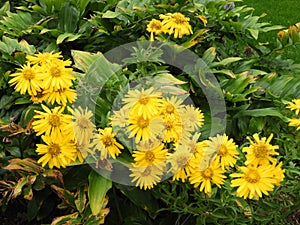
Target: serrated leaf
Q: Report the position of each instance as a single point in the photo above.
(98, 187)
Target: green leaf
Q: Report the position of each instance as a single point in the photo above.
(98, 187)
(83, 60)
(226, 61)
(262, 113)
(67, 37)
(5, 8)
(110, 14)
(209, 55)
(68, 18)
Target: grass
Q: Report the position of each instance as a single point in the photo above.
(278, 12)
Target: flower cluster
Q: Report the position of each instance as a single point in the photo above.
(260, 173)
(294, 105)
(164, 131)
(171, 23)
(46, 77)
(48, 80)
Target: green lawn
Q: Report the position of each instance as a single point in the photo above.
(286, 13)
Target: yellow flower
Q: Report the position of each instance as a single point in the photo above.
(145, 177)
(58, 152)
(119, 118)
(27, 79)
(253, 181)
(52, 122)
(294, 105)
(82, 125)
(177, 24)
(294, 122)
(106, 143)
(155, 27)
(260, 151)
(192, 118)
(203, 178)
(56, 75)
(173, 129)
(189, 143)
(82, 151)
(179, 163)
(150, 152)
(60, 96)
(278, 173)
(143, 103)
(171, 107)
(225, 150)
(42, 58)
(139, 127)
(38, 98)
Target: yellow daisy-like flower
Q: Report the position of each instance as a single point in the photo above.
(82, 151)
(225, 150)
(179, 161)
(42, 58)
(52, 122)
(56, 75)
(155, 27)
(61, 96)
(150, 152)
(82, 126)
(58, 152)
(139, 127)
(145, 103)
(39, 97)
(106, 143)
(171, 107)
(203, 178)
(192, 118)
(27, 79)
(177, 24)
(145, 177)
(294, 122)
(253, 181)
(294, 105)
(260, 151)
(119, 118)
(278, 173)
(189, 143)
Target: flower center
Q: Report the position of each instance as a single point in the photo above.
(170, 108)
(155, 25)
(144, 100)
(222, 150)
(149, 156)
(169, 125)
(252, 176)
(54, 149)
(83, 122)
(147, 172)
(142, 123)
(260, 150)
(54, 120)
(207, 173)
(28, 74)
(55, 72)
(179, 18)
(107, 141)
